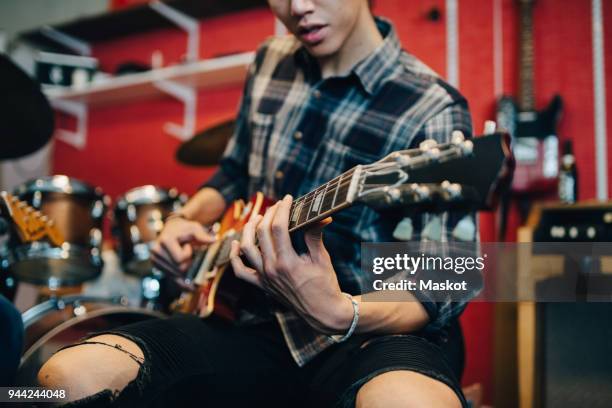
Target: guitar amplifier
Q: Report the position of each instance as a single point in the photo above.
(573, 340)
(574, 223)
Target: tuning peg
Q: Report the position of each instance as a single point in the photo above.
(457, 137)
(422, 192)
(489, 127)
(467, 147)
(427, 144)
(452, 189)
(433, 153)
(393, 195)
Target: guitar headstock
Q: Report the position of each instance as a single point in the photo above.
(463, 173)
(30, 224)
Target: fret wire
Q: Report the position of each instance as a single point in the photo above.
(336, 191)
(333, 180)
(309, 216)
(338, 181)
(417, 161)
(327, 198)
(297, 218)
(309, 195)
(314, 199)
(304, 200)
(322, 199)
(309, 207)
(343, 183)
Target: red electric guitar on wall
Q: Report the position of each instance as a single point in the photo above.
(534, 140)
(465, 174)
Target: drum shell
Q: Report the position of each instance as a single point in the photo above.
(60, 322)
(75, 207)
(72, 215)
(138, 218)
(77, 210)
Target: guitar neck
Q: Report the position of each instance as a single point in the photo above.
(308, 209)
(526, 60)
(325, 200)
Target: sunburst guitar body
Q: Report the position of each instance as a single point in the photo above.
(218, 290)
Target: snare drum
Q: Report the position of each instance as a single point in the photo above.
(78, 212)
(138, 218)
(60, 322)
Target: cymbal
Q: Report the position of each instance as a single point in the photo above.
(206, 147)
(26, 118)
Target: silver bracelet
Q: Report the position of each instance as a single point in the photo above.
(339, 338)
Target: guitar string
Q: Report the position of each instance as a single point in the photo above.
(308, 198)
(337, 183)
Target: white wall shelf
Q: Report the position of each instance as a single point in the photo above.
(204, 74)
(180, 82)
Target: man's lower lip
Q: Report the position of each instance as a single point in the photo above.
(314, 37)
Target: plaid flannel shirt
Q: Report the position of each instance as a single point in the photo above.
(295, 131)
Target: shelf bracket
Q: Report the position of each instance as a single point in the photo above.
(77, 138)
(79, 46)
(184, 21)
(187, 95)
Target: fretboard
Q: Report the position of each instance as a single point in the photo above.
(307, 209)
(321, 202)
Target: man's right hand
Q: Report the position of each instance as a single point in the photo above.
(173, 249)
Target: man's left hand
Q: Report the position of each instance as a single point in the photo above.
(306, 282)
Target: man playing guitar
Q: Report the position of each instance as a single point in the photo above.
(338, 92)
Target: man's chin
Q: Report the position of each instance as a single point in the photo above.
(321, 50)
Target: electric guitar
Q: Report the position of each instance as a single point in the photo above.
(28, 224)
(466, 174)
(534, 141)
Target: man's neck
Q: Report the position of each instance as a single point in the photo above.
(363, 40)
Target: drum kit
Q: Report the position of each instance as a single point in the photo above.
(76, 211)
(63, 220)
